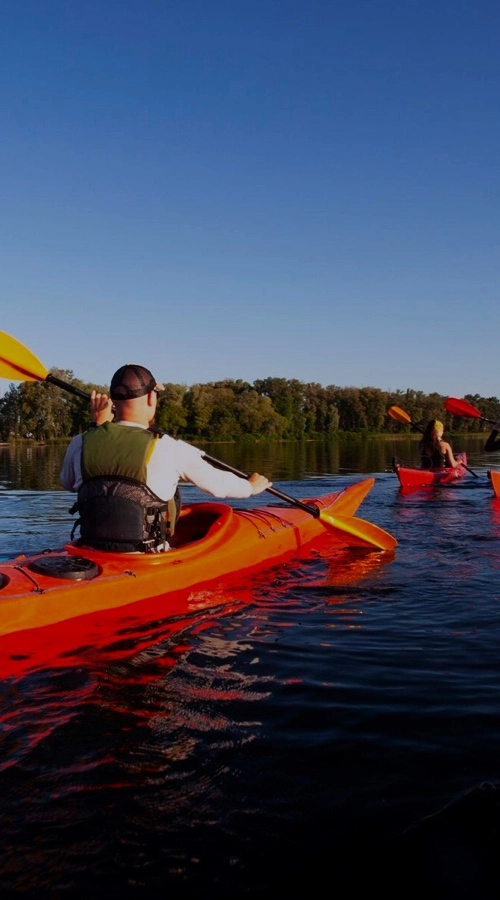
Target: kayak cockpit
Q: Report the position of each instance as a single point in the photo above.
(201, 524)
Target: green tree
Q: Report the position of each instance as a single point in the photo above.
(288, 399)
(10, 413)
(198, 403)
(352, 416)
(171, 414)
(256, 416)
(374, 403)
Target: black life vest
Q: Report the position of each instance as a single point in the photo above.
(118, 512)
(436, 461)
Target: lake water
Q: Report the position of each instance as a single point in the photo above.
(332, 724)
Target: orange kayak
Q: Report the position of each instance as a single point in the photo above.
(415, 477)
(495, 482)
(212, 540)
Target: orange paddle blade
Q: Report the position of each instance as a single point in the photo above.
(17, 362)
(364, 533)
(395, 412)
(400, 415)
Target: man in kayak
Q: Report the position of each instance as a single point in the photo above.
(434, 452)
(126, 472)
(493, 441)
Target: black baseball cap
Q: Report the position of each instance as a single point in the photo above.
(133, 381)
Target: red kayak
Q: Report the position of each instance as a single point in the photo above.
(415, 477)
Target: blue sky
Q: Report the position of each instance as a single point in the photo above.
(222, 189)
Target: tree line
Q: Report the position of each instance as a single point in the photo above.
(234, 410)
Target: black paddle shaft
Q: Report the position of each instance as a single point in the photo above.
(52, 379)
(218, 464)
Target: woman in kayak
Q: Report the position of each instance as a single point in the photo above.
(126, 472)
(434, 452)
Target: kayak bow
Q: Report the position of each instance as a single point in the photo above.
(495, 482)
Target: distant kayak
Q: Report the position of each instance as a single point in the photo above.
(415, 477)
(495, 482)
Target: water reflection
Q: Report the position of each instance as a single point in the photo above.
(36, 467)
(325, 705)
(31, 467)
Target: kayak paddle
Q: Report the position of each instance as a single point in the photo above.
(400, 415)
(366, 532)
(20, 364)
(462, 408)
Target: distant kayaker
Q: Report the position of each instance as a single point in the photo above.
(434, 452)
(126, 472)
(493, 441)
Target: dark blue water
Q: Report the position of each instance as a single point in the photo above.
(333, 723)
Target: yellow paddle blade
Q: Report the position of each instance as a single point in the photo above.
(12, 373)
(17, 362)
(364, 533)
(395, 412)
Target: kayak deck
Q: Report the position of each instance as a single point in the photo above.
(414, 477)
(212, 540)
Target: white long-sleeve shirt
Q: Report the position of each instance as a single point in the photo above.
(170, 461)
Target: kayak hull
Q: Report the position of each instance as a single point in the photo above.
(212, 541)
(495, 482)
(415, 478)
